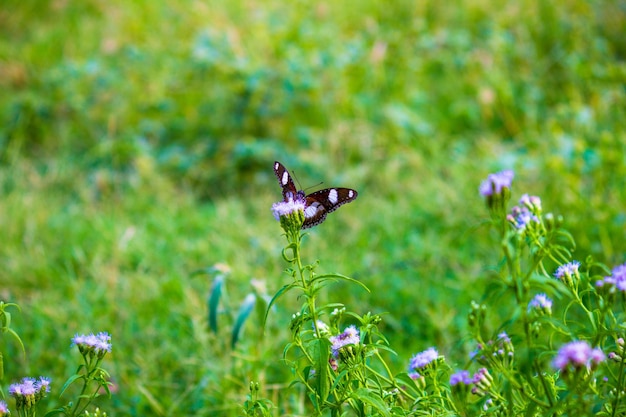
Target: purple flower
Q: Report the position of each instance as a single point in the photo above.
(43, 384)
(422, 359)
(284, 208)
(4, 409)
(414, 375)
(619, 272)
(487, 404)
(495, 183)
(322, 328)
(99, 343)
(461, 377)
(30, 387)
(567, 269)
(350, 336)
(521, 217)
(482, 381)
(616, 280)
(533, 203)
(15, 389)
(577, 354)
(609, 284)
(504, 338)
(540, 302)
(619, 350)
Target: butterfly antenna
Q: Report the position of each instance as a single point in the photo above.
(313, 186)
(295, 177)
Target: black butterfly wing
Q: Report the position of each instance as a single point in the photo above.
(322, 202)
(284, 179)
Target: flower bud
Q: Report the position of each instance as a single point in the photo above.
(482, 381)
(497, 190)
(539, 306)
(569, 274)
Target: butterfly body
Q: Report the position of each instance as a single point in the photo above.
(318, 204)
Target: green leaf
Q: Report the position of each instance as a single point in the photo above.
(320, 352)
(244, 312)
(335, 276)
(407, 382)
(19, 341)
(366, 396)
(7, 320)
(280, 292)
(214, 299)
(263, 301)
(70, 381)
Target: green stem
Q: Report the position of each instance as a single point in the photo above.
(544, 383)
(619, 384)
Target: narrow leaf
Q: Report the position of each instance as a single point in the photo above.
(69, 382)
(213, 301)
(244, 313)
(341, 277)
(280, 292)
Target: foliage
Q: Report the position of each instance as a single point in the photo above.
(29, 392)
(344, 373)
(136, 141)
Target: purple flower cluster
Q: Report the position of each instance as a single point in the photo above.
(502, 349)
(576, 355)
(533, 203)
(618, 355)
(284, 208)
(98, 344)
(480, 382)
(30, 386)
(27, 393)
(350, 336)
(570, 269)
(421, 361)
(460, 377)
(504, 338)
(521, 217)
(540, 303)
(617, 280)
(496, 183)
(4, 409)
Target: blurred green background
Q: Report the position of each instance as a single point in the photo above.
(136, 147)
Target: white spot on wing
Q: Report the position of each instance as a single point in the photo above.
(276, 165)
(350, 193)
(332, 196)
(285, 178)
(311, 210)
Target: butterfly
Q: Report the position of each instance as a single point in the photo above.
(316, 205)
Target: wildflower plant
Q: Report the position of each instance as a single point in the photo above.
(556, 346)
(561, 319)
(90, 376)
(341, 366)
(28, 392)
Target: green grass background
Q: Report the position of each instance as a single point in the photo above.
(137, 141)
